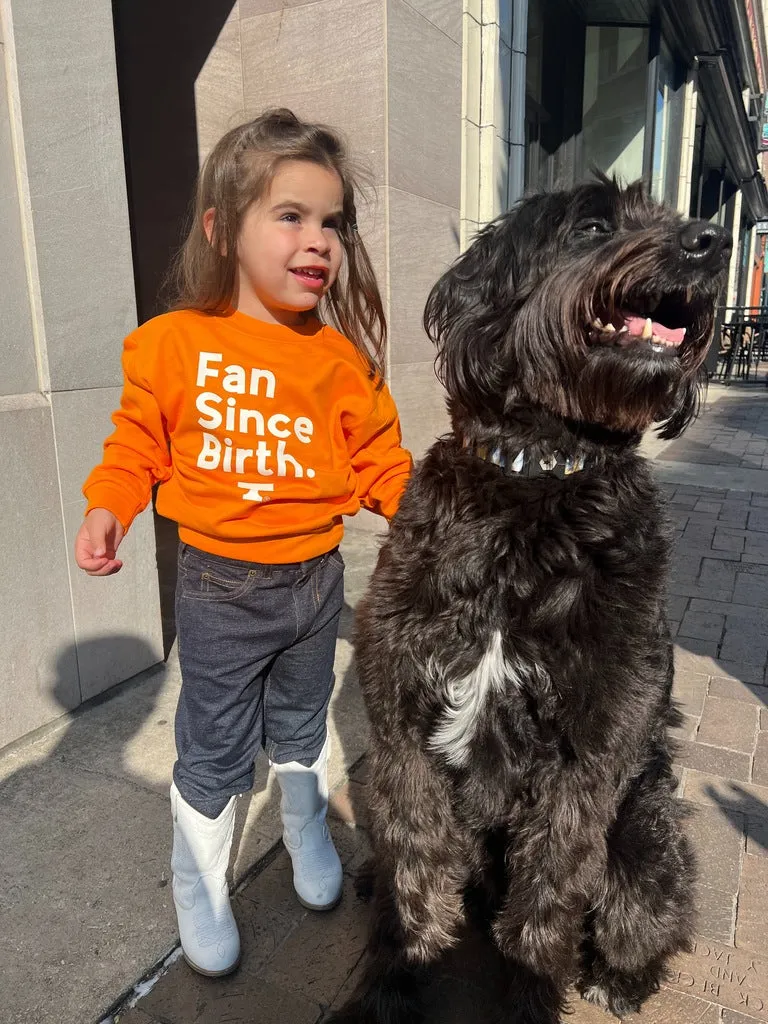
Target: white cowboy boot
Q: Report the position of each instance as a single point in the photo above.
(199, 862)
(317, 876)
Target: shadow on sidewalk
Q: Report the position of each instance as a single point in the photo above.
(83, 844)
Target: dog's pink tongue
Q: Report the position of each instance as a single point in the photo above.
(673, 335)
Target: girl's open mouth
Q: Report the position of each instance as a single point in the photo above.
(312, 277)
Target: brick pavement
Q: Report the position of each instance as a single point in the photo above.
(296, 964)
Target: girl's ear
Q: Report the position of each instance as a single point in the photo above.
(209, 219)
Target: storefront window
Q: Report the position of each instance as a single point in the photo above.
(614, 99)
(668, 129)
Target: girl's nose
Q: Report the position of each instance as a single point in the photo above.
(315, 241)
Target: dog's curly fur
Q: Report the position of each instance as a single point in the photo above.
(513, 649)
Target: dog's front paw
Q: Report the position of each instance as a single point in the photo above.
(611, 1002)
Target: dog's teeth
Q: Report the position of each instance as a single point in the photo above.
(623, 330)
(610, 328)
(684, 330)
(597, 322)
(647, 329)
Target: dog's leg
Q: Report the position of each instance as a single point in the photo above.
(555, 855)
(644, 904)
(421, 863)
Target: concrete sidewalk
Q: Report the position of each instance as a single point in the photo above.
(85, 831)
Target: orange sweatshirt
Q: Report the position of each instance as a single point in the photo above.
(262, 436)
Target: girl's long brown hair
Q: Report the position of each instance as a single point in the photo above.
(236, 173)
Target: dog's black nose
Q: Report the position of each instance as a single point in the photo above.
(704, 242)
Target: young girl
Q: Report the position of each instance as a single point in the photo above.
(264, 425)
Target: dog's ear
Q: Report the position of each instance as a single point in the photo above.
(465, 318)
(686, 407)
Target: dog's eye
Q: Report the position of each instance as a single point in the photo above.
(593, 227)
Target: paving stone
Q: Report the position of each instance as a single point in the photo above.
(757, 836)
(738, 671)
(732, 1017)
(315, 961)
(683, 503)
(184, 997)
(273, 887)
(676, 607)
(734, 517)
(727, 539)
(752, 915)
(751, 590)
(731, 797)
(702, 505)
(760, 764)
(737, 613)
(731, 978)
(718, 573)
(715, 913)
(758, 520)
(764, 716)
(686, 731)
(690, 690)
(736, 689)
(717, 841)
(746, 646)
(756, 543)
(728, 723)
(705, 758)
(135, 1016)
(701, 649)
(702, 625)
(671, 1007)
(759, 501)
(348, 803)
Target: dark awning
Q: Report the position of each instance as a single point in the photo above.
(726, 113)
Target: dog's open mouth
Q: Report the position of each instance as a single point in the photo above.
(657, 323)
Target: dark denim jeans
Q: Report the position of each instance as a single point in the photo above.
(256, 648)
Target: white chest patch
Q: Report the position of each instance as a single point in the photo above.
(467, 696)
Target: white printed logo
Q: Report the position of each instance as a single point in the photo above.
(268, 432)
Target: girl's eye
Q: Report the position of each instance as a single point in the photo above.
(292, 218)
(333, 223)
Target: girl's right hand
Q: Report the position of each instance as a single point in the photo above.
(97, 542)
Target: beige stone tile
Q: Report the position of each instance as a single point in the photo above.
(86, 280)
(17, 346)
(752, 917)
(690, 690)
(423, 242)
(219, 102)
(728, 977)
(279, 69)
(718, 841)
(472, 56)
(470, 188)
(671, 1007)
(421, 402)
(444, 14)
(728, 723)
(184, 997)
(39, 681)
(705, 758)
(316, 959)
(729, 796)
(88, 910)
(424, 107)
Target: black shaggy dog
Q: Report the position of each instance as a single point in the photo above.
(513, 650)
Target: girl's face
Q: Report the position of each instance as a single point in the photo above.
(289, 251)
